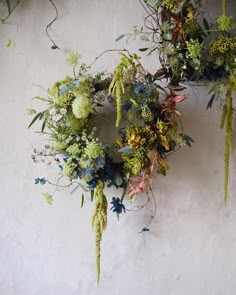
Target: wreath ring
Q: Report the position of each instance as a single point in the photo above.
(148, 130)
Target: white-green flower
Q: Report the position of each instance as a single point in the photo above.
(82, 107)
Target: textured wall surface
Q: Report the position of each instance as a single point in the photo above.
(49, 250)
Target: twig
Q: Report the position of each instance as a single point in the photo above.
(109, 50)
(54, 46)
(40, 87)
(10, 12)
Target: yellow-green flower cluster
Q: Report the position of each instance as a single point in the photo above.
(62, 99)
(222, 46)
(134, 163)
(69, 169)
(171, 4)
(194, 51)
(138, 136)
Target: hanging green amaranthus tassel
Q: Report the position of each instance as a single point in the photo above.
(99, 222)
(227, 123)
(116, 87)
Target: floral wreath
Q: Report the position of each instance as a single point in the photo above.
(150, 132)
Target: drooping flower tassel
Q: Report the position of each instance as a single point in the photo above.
(227, 123)
(99, 222)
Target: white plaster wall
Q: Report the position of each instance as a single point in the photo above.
(49, 250)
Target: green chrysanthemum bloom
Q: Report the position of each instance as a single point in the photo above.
(82, 107)
(69, 170)
(94, 150)
(226, 23)
(74, 150)
(194, 51)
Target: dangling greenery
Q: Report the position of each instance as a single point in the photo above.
(227, 123)
(99, 222)
(117, 86)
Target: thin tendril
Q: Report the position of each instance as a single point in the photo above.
(54, 46)
(10, 12)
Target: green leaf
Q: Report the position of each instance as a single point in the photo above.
(210, 103)
(126, 149)
(120, 37)
(82, 201)
(143, 49)
(8, 5)
(187, 139)
(41, 98)
(9, 43)
(43, 125)
(48, 198)
(37, 117)
(92, 195)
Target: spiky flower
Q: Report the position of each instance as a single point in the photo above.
(73, 59)
(226, 23)
(74, 150)
(94, 150)
(194, 51)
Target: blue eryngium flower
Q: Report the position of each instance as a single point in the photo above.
(117, 206)
(87, 174)
(63, 89)
(139, 88)
(99, 162)
(126, 106)
(40, 180)
(92, 184)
